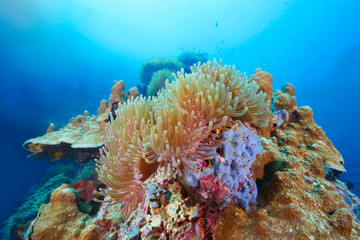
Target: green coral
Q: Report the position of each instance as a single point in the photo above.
(191, 58)
(357, 211)
(149, 67)
(157, 81)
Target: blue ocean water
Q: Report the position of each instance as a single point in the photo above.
(58, 58)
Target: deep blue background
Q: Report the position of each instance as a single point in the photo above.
(53, 70)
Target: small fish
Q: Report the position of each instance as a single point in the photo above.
(57, 156)
(216, 24)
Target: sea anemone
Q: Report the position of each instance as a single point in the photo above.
(158, 80)
(191, 58)
(119, 166)
(149, 67)
(175, 129)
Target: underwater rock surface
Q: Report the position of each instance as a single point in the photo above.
(295, 201)
(297, 195)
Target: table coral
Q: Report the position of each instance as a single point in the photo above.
(82, 137)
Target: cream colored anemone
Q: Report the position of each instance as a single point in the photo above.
(175, 129)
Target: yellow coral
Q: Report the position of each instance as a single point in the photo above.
(175, 129)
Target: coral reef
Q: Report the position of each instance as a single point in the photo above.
(294, 193)
(264, 80)
(117, 96)
(166, 215)
(85, 189)
(175, 129)
(17, 224)
(213, 156)
(352, 202)
(59, 174)
(82, 137)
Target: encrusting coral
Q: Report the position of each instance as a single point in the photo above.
(61, 217)
(294, 191)
(175, 129)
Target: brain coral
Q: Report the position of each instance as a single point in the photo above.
(175, 129)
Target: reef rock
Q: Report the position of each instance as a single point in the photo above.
(295, 201)
(61, 218)
(264, 80)
(82, 137)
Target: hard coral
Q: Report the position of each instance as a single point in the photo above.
(82, 137)
(175, 129)
(294, 193)
(61, 217)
